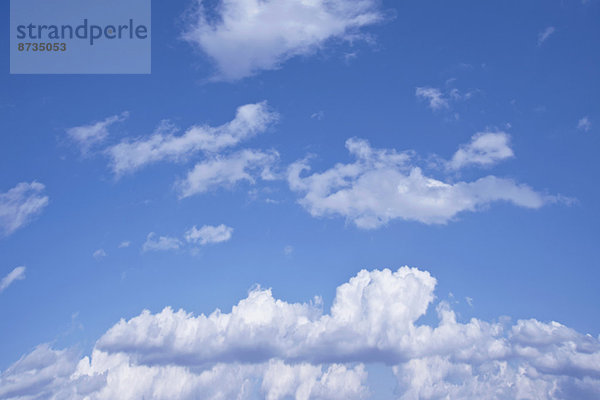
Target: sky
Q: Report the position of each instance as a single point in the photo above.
(310, 200)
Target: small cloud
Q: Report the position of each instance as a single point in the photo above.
(209, 234)
(469, 301)
(124, 244)
(86, 136)
(432, 95)
(99, 254)
(319, 115)
(438, 99)
(484, 149)
(288, 250)
(350, 56)
(545, 34)
(162, 243)
(584, 124)
(14, 275)
(20, 205)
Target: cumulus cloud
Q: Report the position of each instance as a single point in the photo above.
(162, 243)
(545, 35)
(48, 373)
(383, 185)
(584, 124)
(245, 165)
(298, 350)
(86, 136)
(14, 275)
(131, 155)
(124, 244)
(209, 234)
(20, 205)
(485, 148)
(244, 37)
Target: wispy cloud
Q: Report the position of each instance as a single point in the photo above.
(584, 124)
(244, 37)
(227, 171)
(161, 243)
(99, 254)
(545, 35)
(288, 250)
(20, 205)
(87, 136)
(433, 96)
(208, 234)
(438, 99)
(14, 275)
(133, 154)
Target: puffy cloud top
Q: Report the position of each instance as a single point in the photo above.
(268, 347)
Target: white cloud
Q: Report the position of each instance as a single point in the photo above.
(162, 243)
(434, 96)
(584, 124)
(124, 244)
(485, 148)
(14, 275)
(245, 165)
(209, 234)
(469, 301)
(20, 205)
(319, 115)
(99, 254)
(130, 155)
(285, 349)
(438, 99)
(244, 37)
(288, 250)
(87, 136)
(48, 373)
(383, 185)
(545, 34)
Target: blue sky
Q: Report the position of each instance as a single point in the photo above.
(458, 138)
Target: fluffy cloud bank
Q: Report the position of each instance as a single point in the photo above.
(244, 37)
(131, 155)
(20, 205)
(268, 348)
(382, 185)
